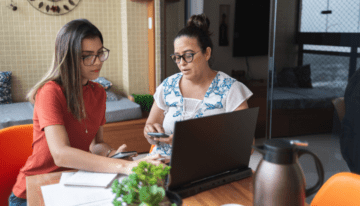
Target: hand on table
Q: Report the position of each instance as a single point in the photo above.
(153, 159)
(122, 148)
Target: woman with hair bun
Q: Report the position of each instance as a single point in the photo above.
(197, 90)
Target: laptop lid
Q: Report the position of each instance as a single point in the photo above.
(211, 145)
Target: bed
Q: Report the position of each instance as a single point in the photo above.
(301, 103)
(296, 111)
(301, 111)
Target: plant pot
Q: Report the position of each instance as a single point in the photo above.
(173, 197)
(170, 196)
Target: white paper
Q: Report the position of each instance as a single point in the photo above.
(65, 176)
(60, 195)
(92, 179)
(101, 203)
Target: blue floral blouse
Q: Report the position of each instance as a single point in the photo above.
(224, 94)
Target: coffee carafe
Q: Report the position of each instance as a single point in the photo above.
(279, 179)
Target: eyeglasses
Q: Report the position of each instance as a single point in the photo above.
(188, 57)
(90, 59)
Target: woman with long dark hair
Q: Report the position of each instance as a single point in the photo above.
(69, 112)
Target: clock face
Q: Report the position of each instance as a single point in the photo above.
(54, 7)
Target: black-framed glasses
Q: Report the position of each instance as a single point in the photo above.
(90, 59)
(187, 57)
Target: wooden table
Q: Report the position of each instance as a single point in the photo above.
(240, 192)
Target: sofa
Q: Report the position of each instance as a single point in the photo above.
(125, 120)
(22, 112)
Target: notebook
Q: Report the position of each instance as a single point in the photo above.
(91, 179)
(210, 151)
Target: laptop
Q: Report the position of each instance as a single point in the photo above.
(211, 151)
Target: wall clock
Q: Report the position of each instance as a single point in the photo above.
(54, 7)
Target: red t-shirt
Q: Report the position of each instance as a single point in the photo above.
(51, 109)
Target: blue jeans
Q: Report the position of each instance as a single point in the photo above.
(16, 201)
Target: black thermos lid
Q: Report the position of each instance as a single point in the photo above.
(280, 151)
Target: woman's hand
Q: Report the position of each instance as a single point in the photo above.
(122, 148)
(155, 128)
(154, 123)
(167, 140)
(153, 159)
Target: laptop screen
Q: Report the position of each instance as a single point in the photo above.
(212, 145)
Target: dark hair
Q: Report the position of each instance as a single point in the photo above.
(65, 70)
(198, 27)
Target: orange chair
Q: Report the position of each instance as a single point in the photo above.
(340, 189)
(151, 148)
(16, 147)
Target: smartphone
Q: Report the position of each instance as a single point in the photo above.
(162, 135)
(122, 155)
(165, 160)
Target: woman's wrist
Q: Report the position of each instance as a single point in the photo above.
(109, 152)
(152, 141)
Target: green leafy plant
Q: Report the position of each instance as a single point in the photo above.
(144, 100)
(144, 187)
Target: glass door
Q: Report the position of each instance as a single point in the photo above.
(313, 53)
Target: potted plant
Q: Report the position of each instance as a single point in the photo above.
(144, 100)
(145, 187)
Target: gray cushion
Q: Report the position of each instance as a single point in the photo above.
(5, 87)
(303, 74)
(103, 82)
(111, 96)
(287, 78)
(124, 109)
(16, 114)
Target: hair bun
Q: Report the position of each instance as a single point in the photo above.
(200, 21)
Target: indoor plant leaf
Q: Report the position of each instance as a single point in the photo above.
(145, 195)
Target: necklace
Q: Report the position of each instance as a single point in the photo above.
(86, 85)
(86, 131)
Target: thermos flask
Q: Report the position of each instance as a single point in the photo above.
(279, 179)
